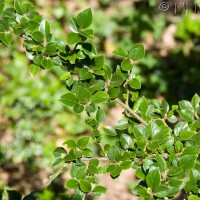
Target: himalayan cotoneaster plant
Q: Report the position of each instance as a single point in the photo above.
(160, 142)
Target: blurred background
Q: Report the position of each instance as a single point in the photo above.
(32, 120)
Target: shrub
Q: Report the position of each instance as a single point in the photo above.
(159, 141)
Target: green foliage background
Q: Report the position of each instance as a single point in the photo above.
(27, 109)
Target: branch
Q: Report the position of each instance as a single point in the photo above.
(53, 176)
(99, 158)
(136, 116)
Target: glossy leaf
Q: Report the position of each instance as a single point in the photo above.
(114, 170)
(126, 65)
(38, 36)
(135, 83)
(72, 184)
(83, 95)
(34, 70)
(44, 27)
(73, 38)
(6, 38)
(114, 153)
(84, 18)
(186, 115)
(68, 99)
(99, 190)
(110, 131)
(85, 186)
(136, 52)
(126, 141)
(153, 178)
(120, 52)
(116, 81)
(82, 143)
(99, 97)
(100, 115)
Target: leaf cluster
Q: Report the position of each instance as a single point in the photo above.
(160, 142)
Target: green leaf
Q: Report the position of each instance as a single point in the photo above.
(18, 7)
(73, 25)
(114, 170)
(185, 135)
(6, 38)
(108, 72)
(113, 93)
(185, 105)
(126, 141)
(2, 4)
(84, 18)
(126, 65)
(88, 33)
(78, 108)
(126, 164)
(120, 52)
(172, 119)
(82, 143)
(179, 127)
(135, 83)
(89, 49)
(186, 162)
(59, 151)
(153, 178)
(38, 36)
(114, 153)
(122, 124)
(100, 115)
(98, 85)
(44, 27)
(190, 150)
(90, 108)
(162, 191)
(84, 74)
(56, 161)
(51, 48)
(33, 70)
(99, 97)
(83, 95)
(73, 38)
(116, 81)
(99, 190)
(195, 101)
(110, 131)
(194, 175)
(193, 197)
(81, 173)
(197, 139)
(88, 153)
(143, 105)
(72, 184)
(139, 173)
(70, 143)
(65, 76)
(99, 61)
(85, 186)
(161, 163)
(136, 52)
(47, 63)
(186, 115)
(68, 99)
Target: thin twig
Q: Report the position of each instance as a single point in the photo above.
(53, 176)
(99, 158)
(136, 116)
(196, 115)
